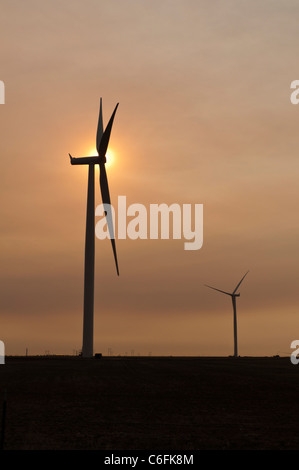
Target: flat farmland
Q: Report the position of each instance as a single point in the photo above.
(150, 403)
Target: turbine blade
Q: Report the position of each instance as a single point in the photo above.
(106, 200)
(223, 292)
(240, 282)
(100, 127)
(106, 136)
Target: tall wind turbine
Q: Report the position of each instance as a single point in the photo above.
(233, 296)
(102, 141)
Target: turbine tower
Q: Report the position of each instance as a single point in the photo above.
(102, 141)
(233, 296)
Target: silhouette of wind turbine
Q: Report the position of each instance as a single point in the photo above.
(233, 296)
(102, 141)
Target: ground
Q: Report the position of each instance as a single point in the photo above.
(149, 403)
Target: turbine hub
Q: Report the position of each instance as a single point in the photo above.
(103, 159)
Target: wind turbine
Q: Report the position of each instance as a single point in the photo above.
(102, 141)
(233, 296)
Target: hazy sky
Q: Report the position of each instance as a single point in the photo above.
(204, 117)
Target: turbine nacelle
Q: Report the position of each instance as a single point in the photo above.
(87, 160)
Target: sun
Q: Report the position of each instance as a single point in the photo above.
(110, 156)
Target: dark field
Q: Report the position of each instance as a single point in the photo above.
(151, 403)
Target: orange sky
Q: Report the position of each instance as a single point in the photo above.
(204, 117)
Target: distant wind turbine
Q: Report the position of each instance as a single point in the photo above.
(102, 141)
(233, 296)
